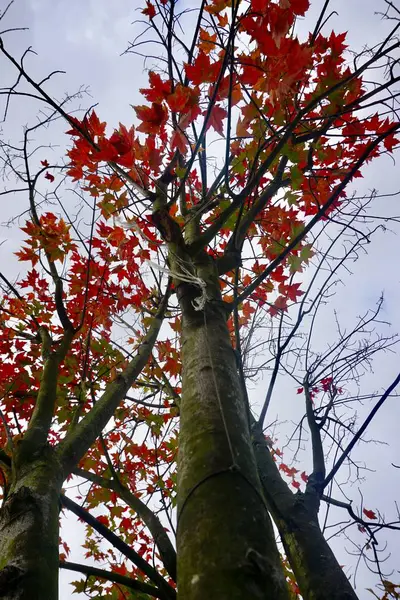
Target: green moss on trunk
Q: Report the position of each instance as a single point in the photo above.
(226, 545)
(29, 531)
(318, 573)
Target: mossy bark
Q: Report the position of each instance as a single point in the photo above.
(317, 571)
(29, 530)
(226, 545)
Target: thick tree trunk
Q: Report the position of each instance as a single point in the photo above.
(226, 545)
(318, 573)
(29, 530)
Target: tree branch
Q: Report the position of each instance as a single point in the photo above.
(132, 584)
(153, 523)
(43, 413)
(317, 217)
(79, 440)
(359, 433)
(167, 591)
(316, 479)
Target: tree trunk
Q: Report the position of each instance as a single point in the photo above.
(29, 529)
(318, 573)
(226, 544)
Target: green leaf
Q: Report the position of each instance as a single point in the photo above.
(291, 198)
(180, 172)
(297, 229)
(79, 586)
(296, 177)
(295, 263)
(306, 253)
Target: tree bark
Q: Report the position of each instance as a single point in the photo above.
(318, 573)
(29, 529)
(226, 544)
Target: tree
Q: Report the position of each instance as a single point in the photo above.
(130, 319)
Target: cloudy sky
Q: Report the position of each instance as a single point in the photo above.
(86, 38)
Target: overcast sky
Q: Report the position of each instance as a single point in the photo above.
(86, 38)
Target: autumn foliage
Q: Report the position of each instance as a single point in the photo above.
(293, 122)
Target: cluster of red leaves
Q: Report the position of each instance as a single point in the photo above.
(325, 385)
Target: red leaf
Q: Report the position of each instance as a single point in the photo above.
(280, 304)
(95, 126)
(121, 569)
(369, 514)
(45, 163)
(179, 99)
(304, 477)
(179, 141)
(123, 140)
(202, 70)
(126, 523)
(158, 90)
(215, 119)
(300, 7)
(103, 520)
(150, 11)
(390, 141)
(300, 390)
(291, 291)
(153, 118)
(49, 176)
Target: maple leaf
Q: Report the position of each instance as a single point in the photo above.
(122, 139)
(126, 524)
(150, 11)
(202, 70)
(159, 89)
(206, 41)
(278, 275)
(217, 6)
(390, 141)
(280, 304)
(50, 177)
(179, 99)
(290, 291)
(95, 126)
(153, 118)
(336, 43)
(215, 119)
(227, 87)
(103, 520)
(299, 7)
(179, 141)
(304, 476)
(191, 113)
(45, 163)
(76, 123)
(260, 6)
(290, 471)
(300, 390)
(369, 513)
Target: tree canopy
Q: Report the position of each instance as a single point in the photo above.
(166, 264)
